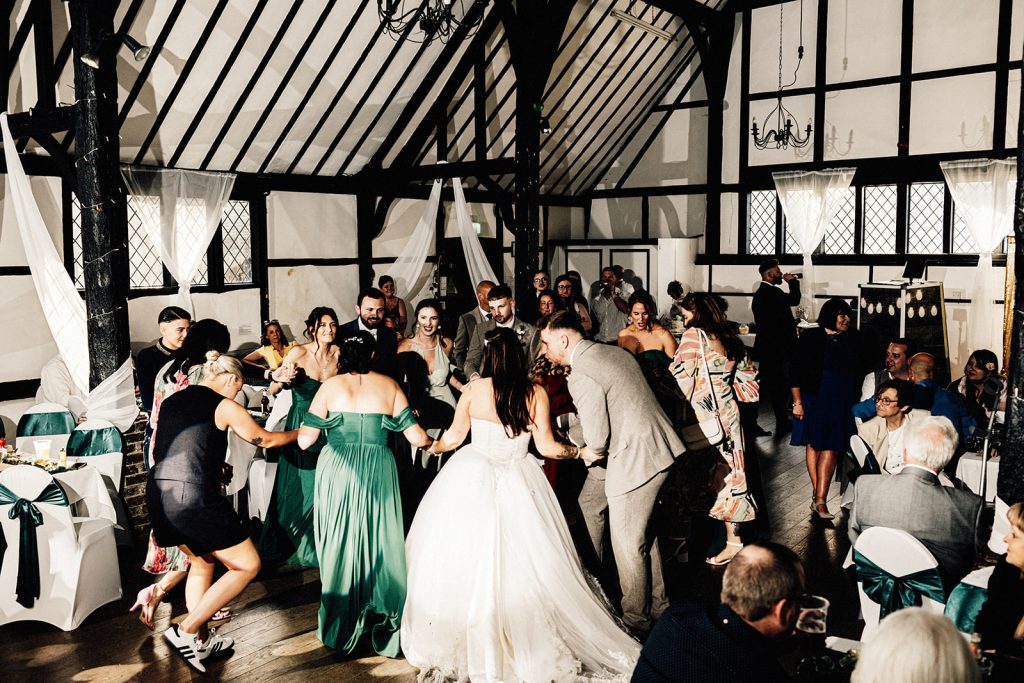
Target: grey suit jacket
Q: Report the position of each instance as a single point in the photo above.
(527, 335)
(944, 519)
(463, 336)
(620, 417)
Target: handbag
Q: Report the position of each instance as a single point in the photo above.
(709, 431)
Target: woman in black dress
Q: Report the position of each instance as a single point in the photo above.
(186, 506)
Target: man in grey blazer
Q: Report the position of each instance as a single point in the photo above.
(469, 321)
(943, 518)
(622, 422)
(503, 308)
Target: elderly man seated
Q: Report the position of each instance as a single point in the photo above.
(740, 639)
(943, 518)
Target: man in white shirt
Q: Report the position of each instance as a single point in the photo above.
(502, 306)
(469, 321)
(897, 366)
(57, 386)
(609, 306)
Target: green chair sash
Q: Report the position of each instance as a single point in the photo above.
(28, 587)
(87, 442)
(964, 605)
(893, 593)
(46, 424)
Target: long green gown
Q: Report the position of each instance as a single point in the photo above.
(287, 536)
(359, 533)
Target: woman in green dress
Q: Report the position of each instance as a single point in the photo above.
(358, 527)
(287, 536)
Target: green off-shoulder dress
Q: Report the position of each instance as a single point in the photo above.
(358, 530)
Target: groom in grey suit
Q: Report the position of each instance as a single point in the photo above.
(622, 424)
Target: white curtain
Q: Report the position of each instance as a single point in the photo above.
(63, 307)
(408, 271)
(810, 200)
(180, 210)
(476, 260)
(983, 190)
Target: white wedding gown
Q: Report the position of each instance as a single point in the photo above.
(496, 591)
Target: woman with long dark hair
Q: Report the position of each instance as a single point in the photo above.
(708, 356)
(358, 527)
(981, 365)
(825, 371)
(287, 535)
(274, 347)
(495, 589)
(571, 298)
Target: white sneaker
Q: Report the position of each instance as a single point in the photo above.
(214, 644)
(187, 646)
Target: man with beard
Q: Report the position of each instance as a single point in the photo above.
(897, 366)
(370, 318)
(776, 335)
(503, 307)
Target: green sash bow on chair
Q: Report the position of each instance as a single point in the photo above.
(964, 605)
(46, 424)
(893, 593)
(28, 587)
(86, 442)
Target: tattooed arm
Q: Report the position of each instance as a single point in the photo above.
(230, 414)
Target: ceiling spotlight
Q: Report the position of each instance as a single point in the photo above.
(91, 59)
(627, 18)
(545, 125)
(139, 51)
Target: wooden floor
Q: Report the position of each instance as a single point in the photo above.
(275, 623)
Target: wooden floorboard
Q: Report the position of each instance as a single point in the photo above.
(275, 623)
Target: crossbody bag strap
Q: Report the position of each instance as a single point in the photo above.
(711, 384)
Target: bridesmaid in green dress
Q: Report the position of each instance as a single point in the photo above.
(358, 527)
(287, 536)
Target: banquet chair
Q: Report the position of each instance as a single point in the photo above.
(99, 443)
(50, 421)
(966, 600)
(892, 556)
(77, 560)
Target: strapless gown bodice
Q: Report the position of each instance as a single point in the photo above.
(491, 441)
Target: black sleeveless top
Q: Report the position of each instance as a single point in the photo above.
(188, 445)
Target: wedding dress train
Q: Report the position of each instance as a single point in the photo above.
(496, 591)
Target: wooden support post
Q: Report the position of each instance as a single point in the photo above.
(1010, 486)
(366, 230)
(101, 192)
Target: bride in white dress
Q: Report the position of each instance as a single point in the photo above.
(496, 591)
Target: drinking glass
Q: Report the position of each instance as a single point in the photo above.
(813, 614)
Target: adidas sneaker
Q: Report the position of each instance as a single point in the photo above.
(187, 646)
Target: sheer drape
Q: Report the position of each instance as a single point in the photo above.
(983, 190)
(810, 200)
(476, 260)
(63, 307)
(183, 220)
(407, 270)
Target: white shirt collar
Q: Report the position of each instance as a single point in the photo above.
(920, 467)
(483, 313)
(509, 324)
(362, 326)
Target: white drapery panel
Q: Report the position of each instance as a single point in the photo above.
(983, 190)
(180, 211)
(810, 200)
(408, 272)
(63, 307)
(476, 260)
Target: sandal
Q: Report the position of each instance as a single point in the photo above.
(715, 562)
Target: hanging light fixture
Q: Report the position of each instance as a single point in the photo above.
(421, 21)
(782, 136)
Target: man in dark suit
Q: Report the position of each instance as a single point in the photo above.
(469, 321)
(503, 308)
(776, 335)
(943, 518)
(370, 318)
(739, 640)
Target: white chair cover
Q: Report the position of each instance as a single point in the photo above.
(110, 464)
(51, 413)
(898, 553)
(77, 559)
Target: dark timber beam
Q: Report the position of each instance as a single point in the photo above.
(689, 10)
(104, 217)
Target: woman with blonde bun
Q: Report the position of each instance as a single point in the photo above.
(187, 508)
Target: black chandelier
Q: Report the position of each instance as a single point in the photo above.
(782, 136)
(421, 21)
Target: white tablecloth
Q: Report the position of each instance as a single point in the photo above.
(968, 470)
(87, 493)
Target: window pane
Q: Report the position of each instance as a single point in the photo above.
(76, 241)
(840, 234)
(880, 219)
(963, 242)
(191, 218)
(924, 224)
(144, 267)
(790, 245)
(761, 225)
(236, 234)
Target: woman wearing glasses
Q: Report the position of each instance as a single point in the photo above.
(571, 300)
(274, 347)
(883, 434)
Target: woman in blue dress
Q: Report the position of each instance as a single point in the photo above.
(357, 523)
(825, 372)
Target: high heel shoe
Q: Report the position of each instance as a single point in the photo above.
(145, 600)
(715, 562)
(821, 511)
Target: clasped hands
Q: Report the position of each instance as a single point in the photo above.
(588, 456)
(284, 374)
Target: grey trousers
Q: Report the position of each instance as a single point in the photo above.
(637, 558)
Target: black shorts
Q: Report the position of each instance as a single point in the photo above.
(183, 513)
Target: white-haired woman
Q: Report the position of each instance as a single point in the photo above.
(916, 646)
(186, 507)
